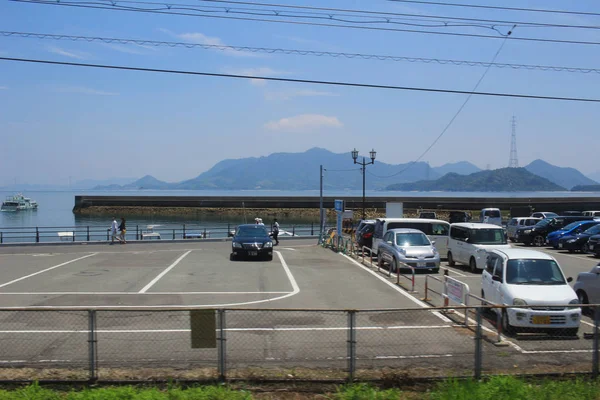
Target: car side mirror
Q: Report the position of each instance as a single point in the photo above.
(569, 279)
(433, 242)
(496, 278)
(389, 242)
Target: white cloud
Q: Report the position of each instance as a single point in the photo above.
(303, 122)
(78, 55)
(290, 94)
(200, 38)
(84, 90)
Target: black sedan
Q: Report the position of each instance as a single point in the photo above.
(594, 245)
(251, 240)
(578, 242)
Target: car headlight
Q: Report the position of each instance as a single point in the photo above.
(574, 301)
(268, 245)
(527, 231)
(236, 245)
(519, 302)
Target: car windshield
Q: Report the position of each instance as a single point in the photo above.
(534, 272)
(544, 222)
(594, 230)
(412, 239)
(572, 225)
(492, 213)
(487, 236)
(551, 214)
(256, 231)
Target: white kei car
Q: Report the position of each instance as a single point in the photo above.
(587, 286)
(534, 285)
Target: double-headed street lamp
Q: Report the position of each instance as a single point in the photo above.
(364, 164)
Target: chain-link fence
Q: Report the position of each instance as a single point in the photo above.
(316, 345)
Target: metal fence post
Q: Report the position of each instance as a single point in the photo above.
(596, 334)
(478, 337)
(293, 230)
(37, 234)
(1, 237)
(88, 233)
(92, 344)
(74, 233)
(312, 229)
(137, 233)
(351, 344)
(222, 353)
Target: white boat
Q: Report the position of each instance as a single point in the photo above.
(18, 203)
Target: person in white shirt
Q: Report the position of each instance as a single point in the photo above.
(275, 231)
(113, 230)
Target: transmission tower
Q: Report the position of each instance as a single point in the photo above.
(514, 160)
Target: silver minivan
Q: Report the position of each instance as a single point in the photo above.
(435, 229)
(519, 222)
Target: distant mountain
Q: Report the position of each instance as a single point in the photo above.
(594, 176)
(586, 188)
(499, 180)
(92, 183)
(147, 182)
(461, 167)
(562, 176)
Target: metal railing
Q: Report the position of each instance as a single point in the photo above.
(91, 233)
(111, 343)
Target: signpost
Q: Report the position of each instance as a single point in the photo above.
(339, 211)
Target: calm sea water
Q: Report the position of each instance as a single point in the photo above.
(55, 207)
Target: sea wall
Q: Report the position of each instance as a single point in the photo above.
(287, 205)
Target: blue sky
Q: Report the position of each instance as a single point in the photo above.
(59, 122)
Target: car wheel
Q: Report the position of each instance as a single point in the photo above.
(583, 299)
(473, 265)
(506, 326)
(269, 258)
(231, 257)
(585, 248)
(451, 260)
(394, 265)
(538, 241)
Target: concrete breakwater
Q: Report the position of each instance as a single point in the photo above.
(308, 206)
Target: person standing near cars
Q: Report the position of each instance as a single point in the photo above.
(113, 230)
(275, 231)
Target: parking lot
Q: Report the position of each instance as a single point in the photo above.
(310, 287)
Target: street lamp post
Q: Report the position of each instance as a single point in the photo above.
(364, 164)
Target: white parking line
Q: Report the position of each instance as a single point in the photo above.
(454, 271)
(46, 270)
(170, 267)
(398, 289)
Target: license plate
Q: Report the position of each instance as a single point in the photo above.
(253, 253)
(560, 245)
(421, 264)
(541, 319)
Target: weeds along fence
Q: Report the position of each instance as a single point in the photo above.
(138, 232)
(66, 344)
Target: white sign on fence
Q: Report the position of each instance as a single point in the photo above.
(455, 291)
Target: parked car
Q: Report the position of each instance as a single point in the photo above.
(468, 243)
(361, 225)
(458, 216)
(591, 213)
(491, 216)
(435, 229)
(573, 228)
(544, 214)
(579, 241)
(365, 236)
(594, 245)
(536, 235)
(427, 214)
(587, 286)
(519, 278)
(515, 223)
(408, 246)
(251, 240)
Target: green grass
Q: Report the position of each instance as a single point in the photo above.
(496, 388)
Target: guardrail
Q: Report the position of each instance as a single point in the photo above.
(90, 233)
(459, 293)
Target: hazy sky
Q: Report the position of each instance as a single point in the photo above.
(58, 122)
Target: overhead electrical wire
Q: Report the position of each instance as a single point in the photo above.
(162, 8)
(451, 119)
(308, 81)
(315, 53)
(538, 10)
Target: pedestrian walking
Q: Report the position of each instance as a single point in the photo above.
(123, 230)
(275, 231)
(113, 230)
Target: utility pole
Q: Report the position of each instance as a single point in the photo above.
(321, 216)
(514, 160)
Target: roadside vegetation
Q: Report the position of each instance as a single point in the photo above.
(497, 388)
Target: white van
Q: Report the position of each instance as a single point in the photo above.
(468, 243)
(435, 229)
(491, 216)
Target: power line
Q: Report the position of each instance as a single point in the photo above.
(538, 10)
(310, 81)
(267, 50)
(172, 10)
(463, 105)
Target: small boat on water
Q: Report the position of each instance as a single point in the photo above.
(18, 203)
